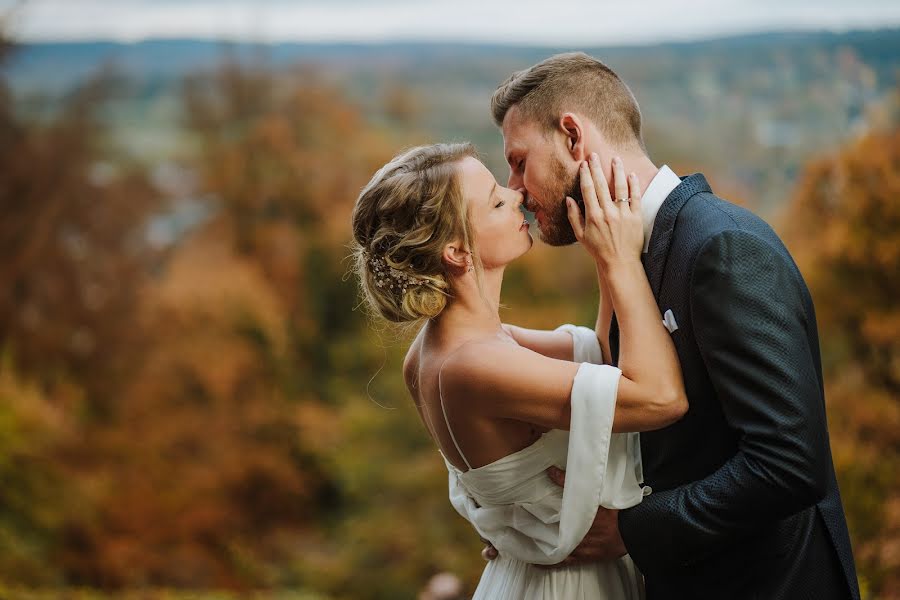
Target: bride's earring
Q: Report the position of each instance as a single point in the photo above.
(470, 265)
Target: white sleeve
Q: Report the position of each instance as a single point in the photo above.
(585, 345)
(625, 474)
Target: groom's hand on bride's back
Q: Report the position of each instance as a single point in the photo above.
(602, 541)
(489, 552)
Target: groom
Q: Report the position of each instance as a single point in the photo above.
(743, 500)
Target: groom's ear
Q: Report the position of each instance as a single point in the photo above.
(572, 128)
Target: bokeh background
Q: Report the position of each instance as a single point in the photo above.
(192, 402)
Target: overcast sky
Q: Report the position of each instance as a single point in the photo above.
(538, 22)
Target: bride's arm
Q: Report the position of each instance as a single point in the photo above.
(551, 343)
(504, 381)
(613, 234)
(604, 317)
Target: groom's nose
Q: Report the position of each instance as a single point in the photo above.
(515, 182)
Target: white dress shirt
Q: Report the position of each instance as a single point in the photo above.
(656, 193)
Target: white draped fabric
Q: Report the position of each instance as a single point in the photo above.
(531, 521)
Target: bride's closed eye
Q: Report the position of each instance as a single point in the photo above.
(492, 195)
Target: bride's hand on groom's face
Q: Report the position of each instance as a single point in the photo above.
(612, 232)
(602, 541)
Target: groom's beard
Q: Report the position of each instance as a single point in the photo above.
(557, 230)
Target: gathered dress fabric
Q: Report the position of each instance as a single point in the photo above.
(531, 521)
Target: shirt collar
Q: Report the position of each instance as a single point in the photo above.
(656, 193)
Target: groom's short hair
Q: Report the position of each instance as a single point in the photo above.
(572, 81)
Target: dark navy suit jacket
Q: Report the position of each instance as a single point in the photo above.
(744, 500)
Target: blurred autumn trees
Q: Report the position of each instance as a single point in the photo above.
(205, 408)
(190, 409)
(73, 265)
(844, 231)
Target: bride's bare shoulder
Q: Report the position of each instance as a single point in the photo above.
(476, 363)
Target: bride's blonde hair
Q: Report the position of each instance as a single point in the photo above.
(404, 217)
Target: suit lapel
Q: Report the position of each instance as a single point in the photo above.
(654, 260)
(664, 226)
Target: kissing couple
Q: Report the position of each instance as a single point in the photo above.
(679, 449)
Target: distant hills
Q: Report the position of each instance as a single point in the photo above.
(53, 66)
(749, 110)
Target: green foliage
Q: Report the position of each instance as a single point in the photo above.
(31, 429)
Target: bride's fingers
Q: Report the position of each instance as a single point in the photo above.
(602, 186)
(635, 192)
(620, 182)
(575, 218)
(589, 193)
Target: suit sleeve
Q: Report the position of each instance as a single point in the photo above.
(750, 322)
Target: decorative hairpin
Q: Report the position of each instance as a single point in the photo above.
(395, 279)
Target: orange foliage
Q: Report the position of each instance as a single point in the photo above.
(843, 228)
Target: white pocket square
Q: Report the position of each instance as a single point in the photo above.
(669, 321)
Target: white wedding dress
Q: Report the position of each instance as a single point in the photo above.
(531, 521)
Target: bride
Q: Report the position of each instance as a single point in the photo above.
(433, 234)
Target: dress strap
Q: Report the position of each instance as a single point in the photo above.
(450, 431)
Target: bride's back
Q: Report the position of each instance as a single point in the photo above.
(456, 424)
